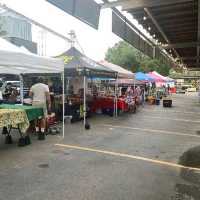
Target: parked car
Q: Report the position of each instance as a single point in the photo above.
(4, 84)
(180, 90)
(191, 89)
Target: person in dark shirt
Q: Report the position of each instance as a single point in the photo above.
(8, 91)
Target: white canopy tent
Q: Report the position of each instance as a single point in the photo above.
(122, 73)
(18, 61)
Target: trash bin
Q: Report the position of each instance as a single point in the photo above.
(157, 102)
(167, 103)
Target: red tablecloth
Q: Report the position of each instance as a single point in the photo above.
(173, 90)
(122, 105)
(108, 103)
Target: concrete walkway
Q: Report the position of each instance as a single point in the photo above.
(132, 157)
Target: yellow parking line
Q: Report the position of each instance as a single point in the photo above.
(174, 119)
(158, 162)
(170, 111)
(153, 131)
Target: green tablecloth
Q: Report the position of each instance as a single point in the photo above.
(32, 112)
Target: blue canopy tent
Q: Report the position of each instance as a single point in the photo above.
(140, 76)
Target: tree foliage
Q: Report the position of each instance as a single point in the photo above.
(149, 65)
(126, 56)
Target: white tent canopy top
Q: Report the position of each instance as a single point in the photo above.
(16, 60)
(122, 73)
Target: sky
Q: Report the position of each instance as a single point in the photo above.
(93, 42)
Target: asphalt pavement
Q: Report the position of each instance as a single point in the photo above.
(142, 156)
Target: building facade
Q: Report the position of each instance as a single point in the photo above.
(17, 31)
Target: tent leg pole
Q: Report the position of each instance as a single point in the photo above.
(63, 99)
(84, 100)
(114, 112)
(21, 89)
(116, 98)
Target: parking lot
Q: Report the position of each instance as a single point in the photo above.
(135, 156)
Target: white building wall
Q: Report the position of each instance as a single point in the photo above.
(16, 27)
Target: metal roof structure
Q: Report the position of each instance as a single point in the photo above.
(174, 23)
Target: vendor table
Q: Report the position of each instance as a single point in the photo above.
(108, 103)
(18, 116)
(14, 118)
(33, 112)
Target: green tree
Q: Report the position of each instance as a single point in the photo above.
(150, 65)
(126, 56)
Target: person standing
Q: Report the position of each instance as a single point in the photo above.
(129, 99)
(8, 91)
(168, 89)
(41, 98)
(1, 97)
(142, 96)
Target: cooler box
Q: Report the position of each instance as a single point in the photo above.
(167, 102)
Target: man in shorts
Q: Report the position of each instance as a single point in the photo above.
(41, 98)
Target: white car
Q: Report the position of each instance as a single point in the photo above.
(3, 85)
(191, 89)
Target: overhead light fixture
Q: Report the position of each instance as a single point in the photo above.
(144, 18)
(154, 35)
(149, 28)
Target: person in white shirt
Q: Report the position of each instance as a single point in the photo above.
(41, 98)
(1, 97)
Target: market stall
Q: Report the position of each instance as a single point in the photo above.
(163, 88)
(149, 81)
(15, 60)
(126, 79)
(160, 81)
(168, 82)
(78, 70)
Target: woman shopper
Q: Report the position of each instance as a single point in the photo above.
(130, 100)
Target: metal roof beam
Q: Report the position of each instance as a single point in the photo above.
(135, 28)
(135, 4)
(115, 10)
(168, 20)
(150, 15)
(181, 45)
(114, 3)
(198, 32)
(193, 65)
(159, 28)
(195, 69)
(190, 58)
